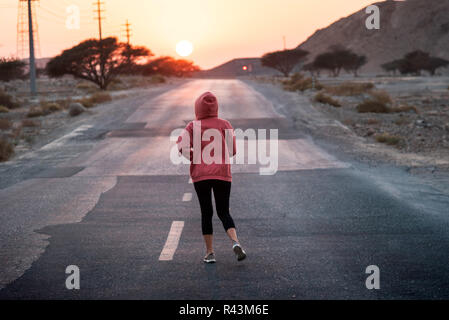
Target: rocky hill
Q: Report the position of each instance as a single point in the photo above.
(237, 67)
(404, 26)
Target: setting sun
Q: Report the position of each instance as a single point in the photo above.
(184, 48)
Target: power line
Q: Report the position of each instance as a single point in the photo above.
(54, 6)
(64, 6)
(69, 3)
(51, 19)
(48, 15)
(61, 15)
(53, 13)
(87, 15)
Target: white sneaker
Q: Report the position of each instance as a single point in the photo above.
(239, 252)
(210, 258)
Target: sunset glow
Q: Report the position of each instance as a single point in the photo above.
(184, 48)
(219, 30)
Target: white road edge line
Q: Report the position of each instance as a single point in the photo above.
(60, 142)
(172, 241)
(187, 197)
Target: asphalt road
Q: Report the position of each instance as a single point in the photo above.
(310, 230)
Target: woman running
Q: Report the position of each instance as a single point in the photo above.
(210, 171)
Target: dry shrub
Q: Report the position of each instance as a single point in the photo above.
(404, 108)
(86, 102)
(117, 84)
(381, 96)
(3, 109)
(45, 108)
(158, 79)
(349, 89)
(145, 80)
(137, 81)
(29, 123)
(64, 103)
(388, 139)
(87, 86)
(100, 97)
(50, 107)
(6, 149)
(8, 101)
(297, 82)
(372, 121)
(372, 106)
(322, 98)
(5, 124)
(381, 104)
(35, 112)
(121, 96)
(94, 99)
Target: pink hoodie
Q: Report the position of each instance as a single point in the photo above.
(206, 111)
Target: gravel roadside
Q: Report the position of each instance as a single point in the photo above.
(326, 129)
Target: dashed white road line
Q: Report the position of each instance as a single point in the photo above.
(172, 241)
(175, 233)
(187, 197)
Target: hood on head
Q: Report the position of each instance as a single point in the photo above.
(206, 106)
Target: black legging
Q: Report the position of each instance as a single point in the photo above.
(222, 191)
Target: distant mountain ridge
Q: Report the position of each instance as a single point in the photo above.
(404, 26)
(237, 67)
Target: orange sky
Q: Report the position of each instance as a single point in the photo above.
(219, 29)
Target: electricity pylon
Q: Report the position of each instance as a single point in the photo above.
(23, 31)
(27, 7)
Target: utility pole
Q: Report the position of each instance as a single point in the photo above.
(283, 39)
(32, 58)
(128, 45)
(127, 30)
(99, 17)
(102, 58)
